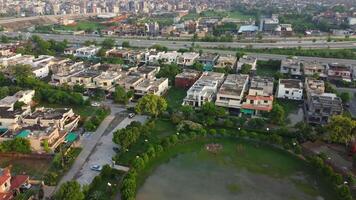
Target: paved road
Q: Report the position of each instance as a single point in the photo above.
(185, 44)
(88, 146)
(103, 152)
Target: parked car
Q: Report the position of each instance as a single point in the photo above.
(131, 115)
(97, 168)
(26, 186)
(95, 104)
(116, 149)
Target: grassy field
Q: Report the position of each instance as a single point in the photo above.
(175, 97)
(163, 127)
(239, 15)
(289, 106)
(211, 13)
(80, 25)
(267, 68)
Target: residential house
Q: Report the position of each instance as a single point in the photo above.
(247, 60)
(320, 106)
(339, 72)
(204, 89)
(314, 68)
(231, 92)
(168, 57)
(85, 78)
(187, 58)
(226, 62)
(290, 89)
(291, 66)
(107, 80)
(208, 60)
(186, 79)
(157, 87)
(86, 52)
(65, 70)
(10, 185)
(260, 96)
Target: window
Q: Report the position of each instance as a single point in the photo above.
(287, 92)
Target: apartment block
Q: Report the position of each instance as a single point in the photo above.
(290, 89)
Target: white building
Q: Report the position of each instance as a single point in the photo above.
(290, 89)
(204, 89)
(86, 52)
(169, 57)
(291, 66)
(231, 93)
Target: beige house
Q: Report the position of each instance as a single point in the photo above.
(226, 62)
(231, 92)
(152, 86)
(107, 80)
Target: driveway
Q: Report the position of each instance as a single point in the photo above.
(103, 152)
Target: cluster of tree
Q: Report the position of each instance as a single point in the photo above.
(99, 188)
(94, 121)
(159, 47)
(341, 129)
(324, 170)
(245, 69)
(129, 135)
(169, 71)
(37, 46)
(221, 38)
(18, 145)
(61, 162)
(121, 96)
(70, 190)
(152, 105)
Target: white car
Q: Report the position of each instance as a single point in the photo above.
(97, 168)
(131, 115)
(26, 186)
(95, 104)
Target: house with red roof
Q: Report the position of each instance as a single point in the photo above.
(10, 185)
(260, 96)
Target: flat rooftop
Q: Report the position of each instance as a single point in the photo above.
(291, 83)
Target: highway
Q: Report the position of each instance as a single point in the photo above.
(186, 44)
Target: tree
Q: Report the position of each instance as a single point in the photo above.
(22, 71)
(345, 97)
(246, 69)
(341, 129)
(125, 44)
(108, 43)
(18, 105)
(151, 104)
(70, 190)
(277, 115)
(169, 71)
(121, 96)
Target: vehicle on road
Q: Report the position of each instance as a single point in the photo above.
(97, 168)
(131, 115)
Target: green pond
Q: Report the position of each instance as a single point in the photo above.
(240, 170)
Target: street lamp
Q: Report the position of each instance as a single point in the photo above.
(137, 156)
(177, 133)
(109, 184)
(146, 140)
(267, 129)
(238, 128)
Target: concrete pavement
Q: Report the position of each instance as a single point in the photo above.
(103, 152)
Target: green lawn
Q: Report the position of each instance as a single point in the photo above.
(80, 25)
(175, 97)
(33, 167)
(267, 68)
(289, 106)
(163, 127)
(239, 15)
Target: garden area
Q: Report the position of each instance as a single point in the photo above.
(88, 26)
(267, 68)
